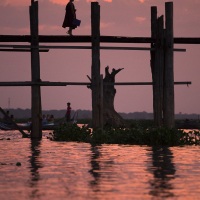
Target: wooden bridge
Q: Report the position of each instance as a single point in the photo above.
(162, 62)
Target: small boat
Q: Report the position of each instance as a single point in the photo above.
(26, 126)
(12, 125)
(5, 126)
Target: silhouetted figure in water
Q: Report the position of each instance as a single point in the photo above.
(70, 16)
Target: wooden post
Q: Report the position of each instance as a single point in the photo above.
(169, 68)
(36, 130)
(152, 53)
(101, 103)
(95, 22)
(159, 72)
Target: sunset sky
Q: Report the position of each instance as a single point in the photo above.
(118, 18)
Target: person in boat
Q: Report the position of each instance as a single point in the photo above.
(48, 117)
(44, 120)
(29, 122)
(68, 112)
(51, 119)
(12, 117)
(70, 16)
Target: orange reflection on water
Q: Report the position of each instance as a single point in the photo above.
(163, 169)
(120, 170)
(70, 170)
(187, 162)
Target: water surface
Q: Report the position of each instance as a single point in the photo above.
(67, 170)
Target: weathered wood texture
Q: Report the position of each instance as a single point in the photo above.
(168, 110)
(159, 72)
(21, 50)
(46, 48)
(47, 83)
(101, 125)
(111, 117)
(160, 66)
(88, 39)
(95, 70)
(153, 59)
(36, 130)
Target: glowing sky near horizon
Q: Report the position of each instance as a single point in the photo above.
(118, 18)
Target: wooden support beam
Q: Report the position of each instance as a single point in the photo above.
(186, 40)
(153, 59)
(159, 72)
(47, 83)
(147, 83)
(95, 71)
(87, 39)
(43, 83)
(74, 39)
(36, 129)
(23, 50)
(168, 110)
(101, 103)
(83, 47)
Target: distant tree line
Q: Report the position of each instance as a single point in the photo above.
(87, 114)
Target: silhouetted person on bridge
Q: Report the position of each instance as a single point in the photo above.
(70, 16)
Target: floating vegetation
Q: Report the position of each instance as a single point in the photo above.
(135, 135)
(71, 132)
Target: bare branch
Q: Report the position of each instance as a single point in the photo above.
(115, 71)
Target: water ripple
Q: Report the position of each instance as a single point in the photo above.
(68, 170)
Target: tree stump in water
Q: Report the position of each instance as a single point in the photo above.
(110, 116)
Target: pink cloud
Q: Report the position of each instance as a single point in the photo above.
(109, 1)
(145, 1)
(45, 28)
(10, 30)
(140, 19)
(104, 25)
(60, 2)
(141, 1)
